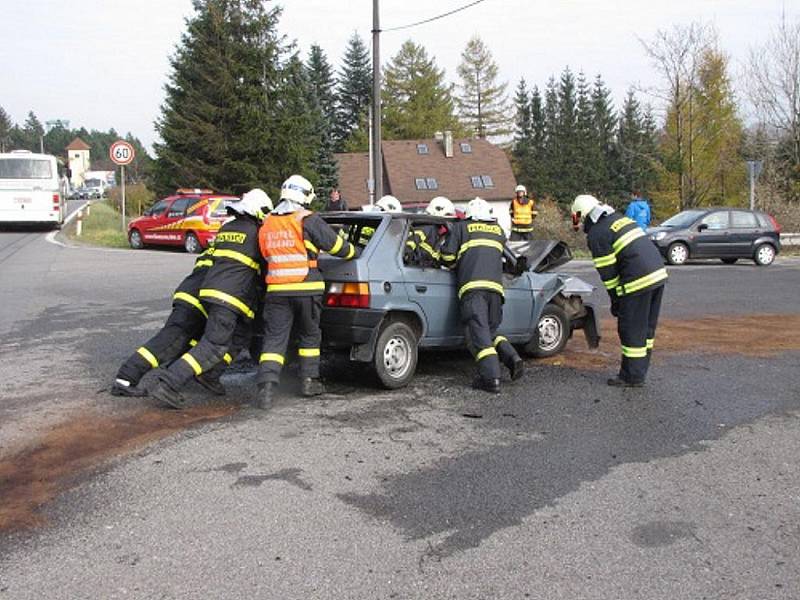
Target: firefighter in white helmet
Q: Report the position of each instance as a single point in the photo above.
(474, 247)
(228, 295)
(634, 275)
(522, 214)
(425, 239)
(291, 238)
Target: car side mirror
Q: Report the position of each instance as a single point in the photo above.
(702, 227)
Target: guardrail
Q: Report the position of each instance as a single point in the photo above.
(790, 239)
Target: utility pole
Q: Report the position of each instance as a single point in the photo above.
(754, 170)
(377, 158)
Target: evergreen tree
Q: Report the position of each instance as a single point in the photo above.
(551, 166)
(523, 133)
(636, 163)
(482, 103)
(320, 76)
(417, 101)
(33, 132)
(587, 150)
(220, 122)
(5, 130)
(323, 108)
(605, 123)
(354, 91)
(538, 167)
(566, 181)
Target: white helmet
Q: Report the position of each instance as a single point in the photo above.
(254, 203)
(298, 189)
(520, 188)
(441, 207)
(389, 204)
(479, 209)
(582, 206)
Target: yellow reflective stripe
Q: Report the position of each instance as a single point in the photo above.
(242, 258)
(605, 261)
(271, 356)
(634, 351)
(306, 286)
(429, 249)
(484, 353)
(228, 299)
(521, 229)
(189, 299)
(499, 340)
(193, 343)
(481, 285)
(626, 239)
(192, 362)
(420, 234)
(350, 253)
(411, 244)
(308, 352)
(651, 342)
(337, 245)
(620, 223)
(203, 263)
(611, 283)
(476, 243)
(448, 257)
(646, 281)
(311, 246)
(227, 358)
(148, 356)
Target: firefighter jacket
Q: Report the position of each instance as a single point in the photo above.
(232, 280)
(628, 262)
(522, 215)
(476, 249)
(188, 291)
(290, 243)
(423, 243)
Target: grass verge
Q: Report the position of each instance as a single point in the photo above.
(101, 227)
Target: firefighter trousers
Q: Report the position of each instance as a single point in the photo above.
(226, 333)
(636, 324)
(481, 315)
(521, 236)
(184, 324)
(280, 314)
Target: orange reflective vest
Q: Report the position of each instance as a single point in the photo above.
(283, 247)
(522, 215)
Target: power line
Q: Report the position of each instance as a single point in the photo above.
(466, 6)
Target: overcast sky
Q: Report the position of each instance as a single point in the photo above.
(103, 63)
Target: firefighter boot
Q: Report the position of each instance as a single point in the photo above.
(487, 385)
(166, 394)
(517, 368)
(311, 386)
(266, 392)
(124, 388)
(211, 382)
(620, 382)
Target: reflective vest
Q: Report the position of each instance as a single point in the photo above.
(522, 215)
(283, 247)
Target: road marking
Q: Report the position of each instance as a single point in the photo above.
(51, 237)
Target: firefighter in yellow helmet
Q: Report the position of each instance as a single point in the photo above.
(522, 214)
(290, 239)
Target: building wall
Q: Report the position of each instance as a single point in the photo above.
(78, 164)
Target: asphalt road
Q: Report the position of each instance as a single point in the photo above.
(559, 488)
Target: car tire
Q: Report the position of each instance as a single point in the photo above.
(677, 253)
(764, 255)
(135, 239)
(551, 335)
(191, 244)
(729, 261)
(396, 355)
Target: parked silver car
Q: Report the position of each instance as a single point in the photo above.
(383, 311)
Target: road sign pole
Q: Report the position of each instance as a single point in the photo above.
(122, 175)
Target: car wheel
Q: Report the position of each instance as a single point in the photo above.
(191, 243)
(396, 355)
(135, 239)
(551, 335)
(764, 255)
(677, 253)
(729, 261)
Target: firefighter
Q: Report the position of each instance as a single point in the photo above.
(425, 240)
(633, 272)
(229, 295)
(474, 247)
(184, 325)
(522, 215)
(387, 203)
(290, 241)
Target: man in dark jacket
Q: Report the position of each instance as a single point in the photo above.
(290, 241)
(229, 294)
(633, 272)
(335, 202)
(475, 248)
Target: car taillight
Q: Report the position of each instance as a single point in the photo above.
(775, 224)
(348, 295)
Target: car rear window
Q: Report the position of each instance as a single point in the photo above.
(25, 168)
(763, 220)
(743, 220)
(356, 231)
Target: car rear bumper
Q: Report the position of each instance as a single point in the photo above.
(344, 327)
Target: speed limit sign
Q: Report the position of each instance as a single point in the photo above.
(121, 152)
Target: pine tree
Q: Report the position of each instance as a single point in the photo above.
(635, 145)
(551, 166)
(587, 151)
(566, 183)
(538, 168)
(417, 101)
(354, 90)
(5, 130)
(33, 132)
(320, 76)
(523, 132)
(482, 103)
(605, 124)
(324, 118)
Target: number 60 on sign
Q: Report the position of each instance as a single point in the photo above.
(121, 152)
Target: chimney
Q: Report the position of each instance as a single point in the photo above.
(448, 144)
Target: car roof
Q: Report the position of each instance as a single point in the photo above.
(403, 216)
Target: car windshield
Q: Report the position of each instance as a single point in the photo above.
(683, 219)
(358, 231)
(25, 168)
(92, 183)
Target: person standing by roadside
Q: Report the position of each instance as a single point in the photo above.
(639, 210)
(336, 202)
(522, 215)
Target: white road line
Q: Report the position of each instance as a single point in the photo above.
(51, 237)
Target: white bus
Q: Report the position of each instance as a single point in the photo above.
(30, 189)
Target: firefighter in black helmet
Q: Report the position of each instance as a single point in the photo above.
(475, 247)
(229, 294)
(633, 272)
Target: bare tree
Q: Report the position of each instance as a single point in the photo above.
(677, 54)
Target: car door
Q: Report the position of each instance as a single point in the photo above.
(713, 237)
(744, 232)
(174, 219)
(152, 219)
